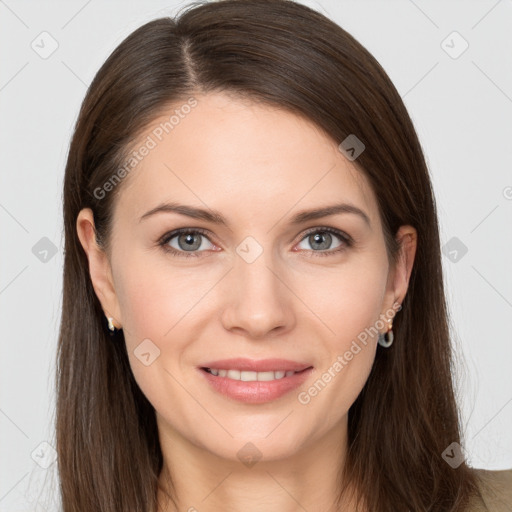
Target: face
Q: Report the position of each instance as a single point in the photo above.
(264, 284)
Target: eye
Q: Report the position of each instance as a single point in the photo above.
(322, 238)
(187, 242)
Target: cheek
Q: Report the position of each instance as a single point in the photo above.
(167, 307)
(152, 298)
(348, 299)
(348, 303)
(154, 303)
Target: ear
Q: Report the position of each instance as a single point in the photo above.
(99, 266)
(398, 280)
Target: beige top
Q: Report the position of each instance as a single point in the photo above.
(496, 491)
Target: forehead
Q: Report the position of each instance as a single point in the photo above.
(240, 157)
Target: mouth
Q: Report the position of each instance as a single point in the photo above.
(255, 382)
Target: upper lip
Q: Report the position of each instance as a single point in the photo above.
(262, 365)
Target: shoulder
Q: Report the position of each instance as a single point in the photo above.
(495, 488)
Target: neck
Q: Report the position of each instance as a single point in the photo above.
(306, 480)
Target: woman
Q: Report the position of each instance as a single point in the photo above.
(253, 307)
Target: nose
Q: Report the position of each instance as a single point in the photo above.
(258, 300)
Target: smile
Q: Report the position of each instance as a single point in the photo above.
(249, 376)
(254, 387)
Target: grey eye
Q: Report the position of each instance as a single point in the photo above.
(320, 240)
(188, 242)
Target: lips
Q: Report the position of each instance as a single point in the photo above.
(255, 382)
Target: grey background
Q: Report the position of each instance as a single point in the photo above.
(461, 108)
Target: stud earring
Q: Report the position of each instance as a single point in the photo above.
(111, 327)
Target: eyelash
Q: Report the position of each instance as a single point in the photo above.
(347, 241)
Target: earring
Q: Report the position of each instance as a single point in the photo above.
(386, 340)
(112, 328)
(111, 325)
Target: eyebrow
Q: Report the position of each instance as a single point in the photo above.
(216, 217)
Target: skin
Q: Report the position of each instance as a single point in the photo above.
(258, 166)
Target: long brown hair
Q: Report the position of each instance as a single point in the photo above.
(282, 53)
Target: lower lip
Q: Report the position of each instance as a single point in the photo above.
(256, 392)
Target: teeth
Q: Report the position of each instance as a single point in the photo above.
(233, 374)
(248, 376)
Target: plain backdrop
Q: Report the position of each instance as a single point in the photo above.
(458, 91)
